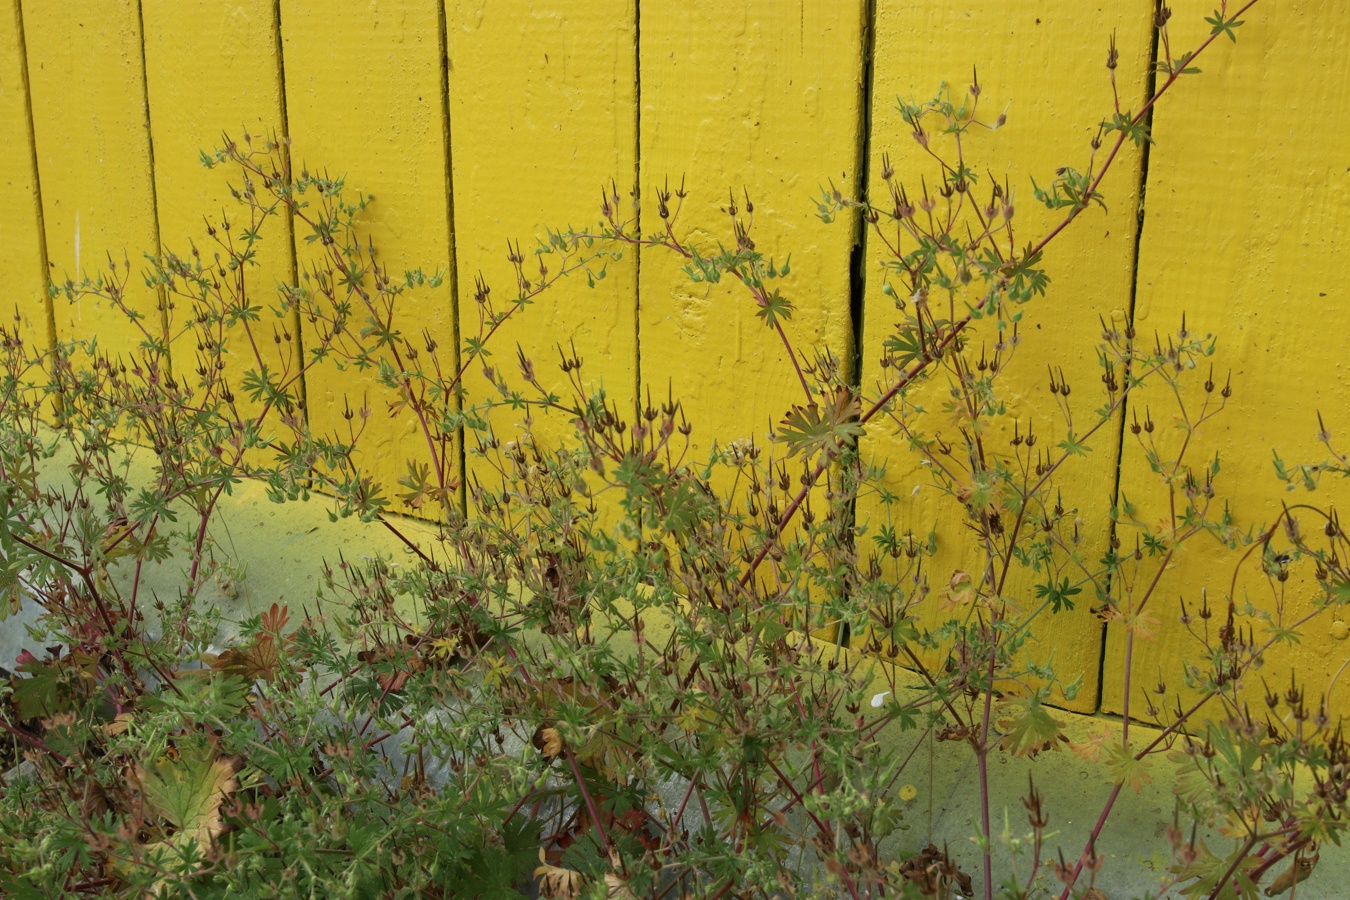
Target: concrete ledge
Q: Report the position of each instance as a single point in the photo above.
(280, 551)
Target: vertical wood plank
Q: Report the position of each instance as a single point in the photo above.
(93, 151)
(542, 112)
(364, 97)
(212, 69)
(762, 97)
(22, 254)
(1045, 62)
(1246, 226)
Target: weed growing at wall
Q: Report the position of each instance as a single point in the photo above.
(605, 677)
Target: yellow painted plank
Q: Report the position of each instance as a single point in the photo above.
(364, 96)
(1246, 224)
(761, 99)
(21, 251)
(1045, 63)
(542, 112)
(211, 69)
(764, 99)
(93, 151)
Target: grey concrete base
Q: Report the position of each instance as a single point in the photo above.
(281, 550)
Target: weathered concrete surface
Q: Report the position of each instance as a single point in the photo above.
(282, 549)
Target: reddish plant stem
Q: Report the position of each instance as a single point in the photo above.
(1259, 872)
(1129, 649)
(826, 457)
(407, 542)
(1238, 860)
(590, 802)
(792, 355)
(86, 575)
(722, 891)
(1120, 141)
(201, 538)
(35, 742)
(336, 254)
(982, 761)
(797, 797)
(1152, 745)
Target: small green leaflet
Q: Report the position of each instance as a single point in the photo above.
(813, 428)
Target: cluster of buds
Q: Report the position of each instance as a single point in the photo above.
(1060, 386)
(663, 196)
(1036, 814)
(1147, 426)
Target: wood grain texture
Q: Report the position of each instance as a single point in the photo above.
(762, 98)
(91, 131)
(542, 111)
(211, 71)
(1245, 233)
(364, 98)
(1244, 225)
(22, 255)
(1044, 64)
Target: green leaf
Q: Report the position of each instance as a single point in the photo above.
(1027, 727)
(1219, 26)
(813, 428)
(1207, 871)
(187, 792)
(775, 309)
(1125, 769)
(1135, 131)
(11, 589)
(41, 694)
(1073, 446)
(771, 630)
(1057, 594)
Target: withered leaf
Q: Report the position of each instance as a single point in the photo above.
(557, 882)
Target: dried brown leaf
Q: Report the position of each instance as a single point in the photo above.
(557, 883)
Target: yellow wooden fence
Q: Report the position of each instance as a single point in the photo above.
(475, 121)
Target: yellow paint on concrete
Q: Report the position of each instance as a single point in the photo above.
(93, 152)
(212, 69)
(759, 98)
(1246, 233)
(542, 116)
(1045, 63)
(364, 97)
(21, 251)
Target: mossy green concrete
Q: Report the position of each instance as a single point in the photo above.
(264, 552)
(281, 551)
